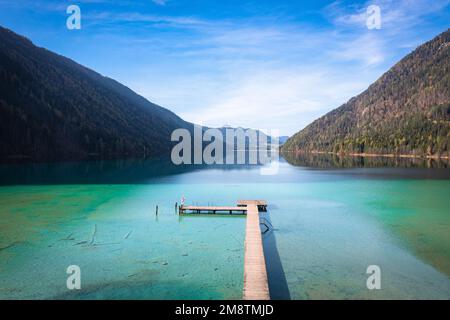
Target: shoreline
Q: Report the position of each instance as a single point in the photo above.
(373, 155)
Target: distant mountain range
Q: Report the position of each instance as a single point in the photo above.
(55, 109)
(406, 111)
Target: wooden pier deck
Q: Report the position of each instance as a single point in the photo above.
(212, 210)
(256, 285)
(261, 204)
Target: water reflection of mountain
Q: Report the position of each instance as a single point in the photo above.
(325, 161)
(99, 172)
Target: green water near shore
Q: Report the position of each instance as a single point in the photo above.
(124, 250)
(328, 227)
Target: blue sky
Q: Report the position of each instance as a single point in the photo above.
(262, 63)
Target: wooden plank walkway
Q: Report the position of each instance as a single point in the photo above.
(261, 204)
(213, 210)
(256, 285)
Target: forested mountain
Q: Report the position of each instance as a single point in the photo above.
(406, 111)
(52, 108)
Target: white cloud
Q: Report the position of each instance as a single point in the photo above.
(284, 99)
(160, 2)
(401, 20)
(265, 73)
(367, 48)
(396, 15)
(274, 77)
(100, 18)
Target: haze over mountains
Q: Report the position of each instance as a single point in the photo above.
(406, 111)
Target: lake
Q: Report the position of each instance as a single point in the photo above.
(329, 221)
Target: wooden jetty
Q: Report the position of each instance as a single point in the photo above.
(256, 285)
(261, 204)
(212, 210)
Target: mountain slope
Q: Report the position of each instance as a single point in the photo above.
(406, 111)
(55, 109)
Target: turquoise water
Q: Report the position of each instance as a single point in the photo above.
(133, 254)
(328, 226)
